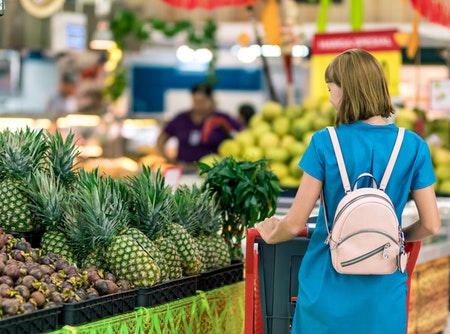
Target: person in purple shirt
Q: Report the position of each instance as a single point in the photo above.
(200, 130)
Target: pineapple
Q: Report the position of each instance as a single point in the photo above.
(97, 221)
(47, 198)
(47, 192)
(149, 201)
(184, 222)
(207, 218)
(60, 157)
(21, 155)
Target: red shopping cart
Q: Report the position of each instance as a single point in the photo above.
(271, 283)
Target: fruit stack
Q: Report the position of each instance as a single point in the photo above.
(281, 135)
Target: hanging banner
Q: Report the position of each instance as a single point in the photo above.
(379, 43)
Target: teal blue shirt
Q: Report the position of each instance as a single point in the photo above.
(329, 302)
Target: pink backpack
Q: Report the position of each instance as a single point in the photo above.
(366, 238)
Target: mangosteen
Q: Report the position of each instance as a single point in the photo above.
(66, 285)
(56, 297)
(38, 297)
(27, 307)
(35, 254)
(91, 293)
(10, 306)
(93, 275)
(23, 291)
(71, 271)
(123, 285)
(81, 294)
(5, 290)
(110, 277)
(20, 245)
(7, 280)
(18, 255)
(45, 260)
(36, 272)
(12, 270)
(30, 282)
(4, 257)
(105, 287)
(46, 269)
(61, 264)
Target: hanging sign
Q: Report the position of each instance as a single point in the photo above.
(379, 43)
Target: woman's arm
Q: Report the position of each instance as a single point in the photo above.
(429, 222)
(274, 230)
(161, 144)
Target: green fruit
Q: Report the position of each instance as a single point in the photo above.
(245, 138)
(281, 126)
(279, 169)
(229, 147)
(253, 153)
(268, 140)
(294, 169)
(290, 181)
(297, 149)
(294, 111)
(271, 110)
(277, 154)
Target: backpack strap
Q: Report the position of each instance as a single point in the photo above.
(392, 159)
(339, 158)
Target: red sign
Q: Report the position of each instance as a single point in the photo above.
(334, 43)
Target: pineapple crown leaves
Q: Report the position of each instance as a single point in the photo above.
(21, 152)
(186, 208)
(208, 216)
(149, 200)
(246, 191)
(47, 197)
(96, 212)
(61, 155)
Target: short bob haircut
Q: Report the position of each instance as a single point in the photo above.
(364, 86)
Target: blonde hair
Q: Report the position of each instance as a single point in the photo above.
(364, 86)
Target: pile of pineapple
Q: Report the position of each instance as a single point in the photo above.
(135, 227)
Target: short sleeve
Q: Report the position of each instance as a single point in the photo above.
(423, 168)
(312, 160)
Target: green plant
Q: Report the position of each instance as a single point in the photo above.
(246, 192)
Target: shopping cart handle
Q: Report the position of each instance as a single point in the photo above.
(251, 235)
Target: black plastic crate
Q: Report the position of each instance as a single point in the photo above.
(38, 322)
(98, 308)
(223, 276)
(166, 292)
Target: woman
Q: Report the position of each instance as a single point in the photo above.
(200, 130)
(329, 302)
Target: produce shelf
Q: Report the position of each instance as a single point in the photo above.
(223, 276)
(37, 322)
(166, 292)
(98, 308)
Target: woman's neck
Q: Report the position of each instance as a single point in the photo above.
(375, 120)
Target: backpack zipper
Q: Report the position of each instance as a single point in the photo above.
(357, 198)
(383, 248)
(365, 231)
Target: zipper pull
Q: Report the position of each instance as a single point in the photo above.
(327, 240)
(386, 251)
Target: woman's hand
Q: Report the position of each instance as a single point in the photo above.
(266, 227)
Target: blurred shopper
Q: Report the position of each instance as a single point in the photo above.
(329, 302)
(200, 129)
(246, 112)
